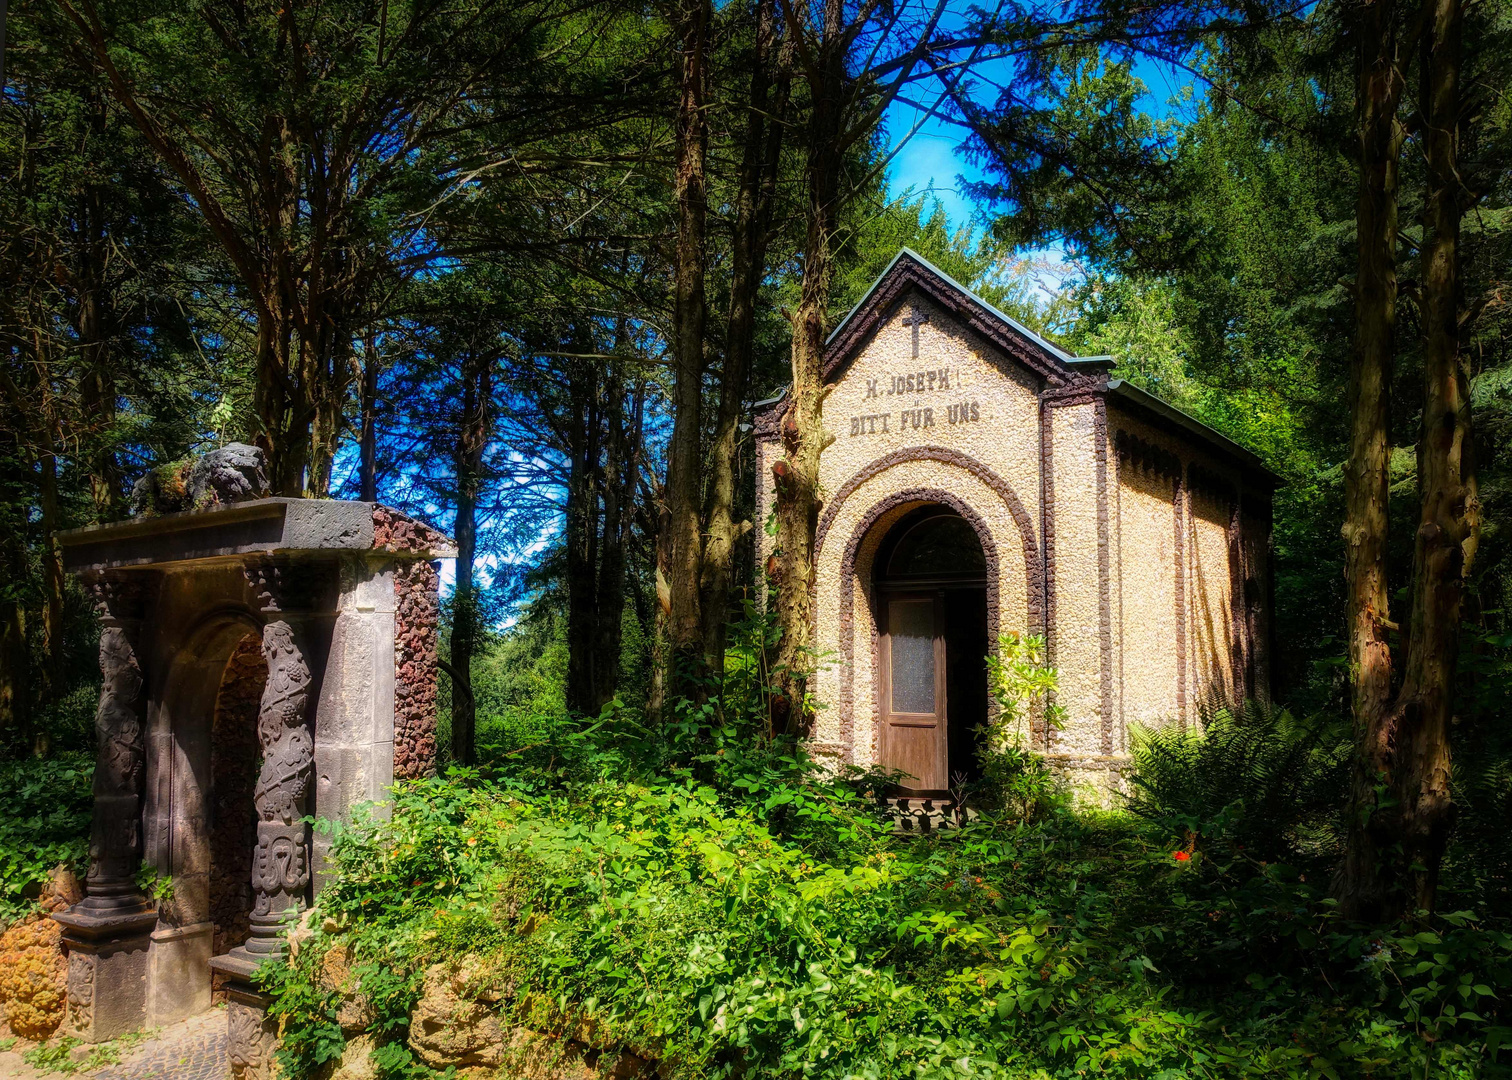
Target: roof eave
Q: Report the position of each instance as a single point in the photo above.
(1143, 398)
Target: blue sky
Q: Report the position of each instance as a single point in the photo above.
(930, 162)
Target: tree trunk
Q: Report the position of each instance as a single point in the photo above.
(472, 441)
(15, 673)
(52, 593)
(619, 501)
(368, 466)
(583, 661)
(1450, 513)
(325, 431)
(1361, 887)
(753, 214)
(97, 388)
(282, 405)
(680, 543)
(15, 657)
(796, 475)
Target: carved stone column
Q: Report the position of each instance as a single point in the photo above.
(281, 861)
(288, 592)
(108, 931)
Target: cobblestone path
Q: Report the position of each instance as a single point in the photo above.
(192, 1050)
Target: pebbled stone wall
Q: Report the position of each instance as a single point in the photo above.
(1146, 661)
(1216, 679)
(1190, 637)
(417, 615)
(401, 534)
(1075, 588)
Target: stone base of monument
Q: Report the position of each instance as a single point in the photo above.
(251, 1034)
(108, 969)
(178, 962)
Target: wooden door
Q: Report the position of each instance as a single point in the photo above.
(912, 669)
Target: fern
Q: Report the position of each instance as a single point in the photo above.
(1263, 780)
(1478, 865)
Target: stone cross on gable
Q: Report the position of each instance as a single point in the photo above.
(915, 319)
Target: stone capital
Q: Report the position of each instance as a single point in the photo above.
(121, 598)
(287, 587)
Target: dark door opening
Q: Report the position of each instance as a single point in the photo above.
(966, 681)
(931, 590)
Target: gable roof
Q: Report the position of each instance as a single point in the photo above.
(911, 272)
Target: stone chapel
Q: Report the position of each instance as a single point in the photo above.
(982, 481)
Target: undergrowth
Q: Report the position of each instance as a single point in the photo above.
(720, 903)
(67, 1055)
(45, 822)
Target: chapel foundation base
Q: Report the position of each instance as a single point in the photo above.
(1096, 781)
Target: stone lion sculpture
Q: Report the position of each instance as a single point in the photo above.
(234, 473)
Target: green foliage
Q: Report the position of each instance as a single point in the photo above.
(635, 658)
(1023, 683)
(1268, 783)
(520, 676)
(66, 1055)
(719, 902)
(45, 822)
(984, 264)
(1478, 865)
(55, 1055)
(159, 887)
(1064, 144)
(69, 720)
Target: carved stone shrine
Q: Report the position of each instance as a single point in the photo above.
(264, 661)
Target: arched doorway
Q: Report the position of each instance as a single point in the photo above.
(930, 588)
(232, 821)
(199, 810)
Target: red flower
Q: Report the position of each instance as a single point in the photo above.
(1181, 856)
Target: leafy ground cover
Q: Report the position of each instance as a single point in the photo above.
(45, 823)
(723, 905)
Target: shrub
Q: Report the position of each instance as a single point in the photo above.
(710, 897)
(1267, 782)
(44, 821)
(1015, 779)
(725, 905)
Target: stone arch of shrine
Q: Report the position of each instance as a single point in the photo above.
(263, 662)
